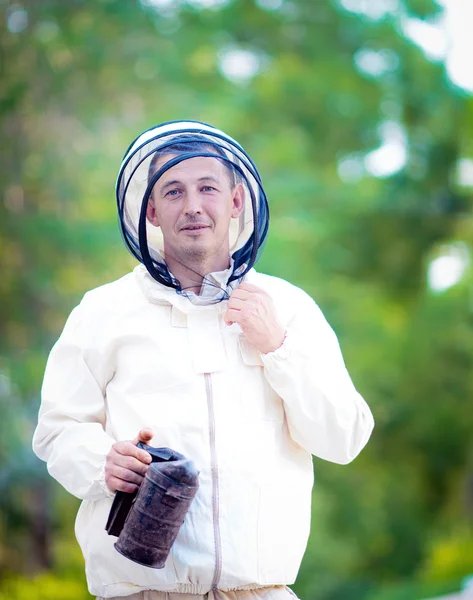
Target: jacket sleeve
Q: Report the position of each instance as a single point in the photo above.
(70, 435)
(325, 413)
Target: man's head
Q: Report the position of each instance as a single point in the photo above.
(193, 203)
(218, 208)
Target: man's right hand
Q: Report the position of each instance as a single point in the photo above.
(126, 465)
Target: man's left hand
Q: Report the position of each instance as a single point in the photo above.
(253, 309)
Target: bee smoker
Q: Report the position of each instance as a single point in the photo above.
(147, 521)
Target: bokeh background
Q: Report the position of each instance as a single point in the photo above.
(364, 140)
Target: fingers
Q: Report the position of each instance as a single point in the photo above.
(232, 316)
(144, 436)
(251, 289)
(120, 478)
(126, 465)
(241, 306)
(130, 463)
(240, 294)
(248, 291)
(130, 449)
(127, 475)
(118, 485)
(235, 304)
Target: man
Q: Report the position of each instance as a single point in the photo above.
(198, 352)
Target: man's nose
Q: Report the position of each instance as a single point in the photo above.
(193, 204)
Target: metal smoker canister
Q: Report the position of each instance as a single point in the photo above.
(158, 512)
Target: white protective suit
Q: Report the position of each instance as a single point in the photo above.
(137, 353)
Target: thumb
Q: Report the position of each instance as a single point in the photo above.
(145, 435)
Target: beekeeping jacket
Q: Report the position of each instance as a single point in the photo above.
(140, 352)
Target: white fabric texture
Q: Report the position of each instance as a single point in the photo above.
(268, 593)
(280, 592)
(135, 354)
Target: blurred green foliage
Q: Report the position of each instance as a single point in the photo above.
(79, 80)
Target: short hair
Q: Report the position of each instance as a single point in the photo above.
(183, 144)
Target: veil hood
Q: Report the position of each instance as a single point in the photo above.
(137, 177)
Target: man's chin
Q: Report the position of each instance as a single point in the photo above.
(195, 251)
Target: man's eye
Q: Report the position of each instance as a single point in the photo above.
(172, 193)
(208, 188)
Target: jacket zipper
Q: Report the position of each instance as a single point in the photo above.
(214, 470)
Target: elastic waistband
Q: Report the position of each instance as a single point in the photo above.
(116, 589)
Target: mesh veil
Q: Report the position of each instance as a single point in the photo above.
(136, 180)
(137, 177)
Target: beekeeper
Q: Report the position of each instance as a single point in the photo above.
(196, 351)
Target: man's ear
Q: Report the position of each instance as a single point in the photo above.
(238, 200)
(151, 213)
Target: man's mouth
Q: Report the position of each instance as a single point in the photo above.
(194, 227)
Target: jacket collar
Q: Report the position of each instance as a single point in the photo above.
(187, 301)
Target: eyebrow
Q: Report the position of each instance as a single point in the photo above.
(210, 178)
(177, 182)
(169, 183)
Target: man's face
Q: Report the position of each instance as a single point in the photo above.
(193, 203)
